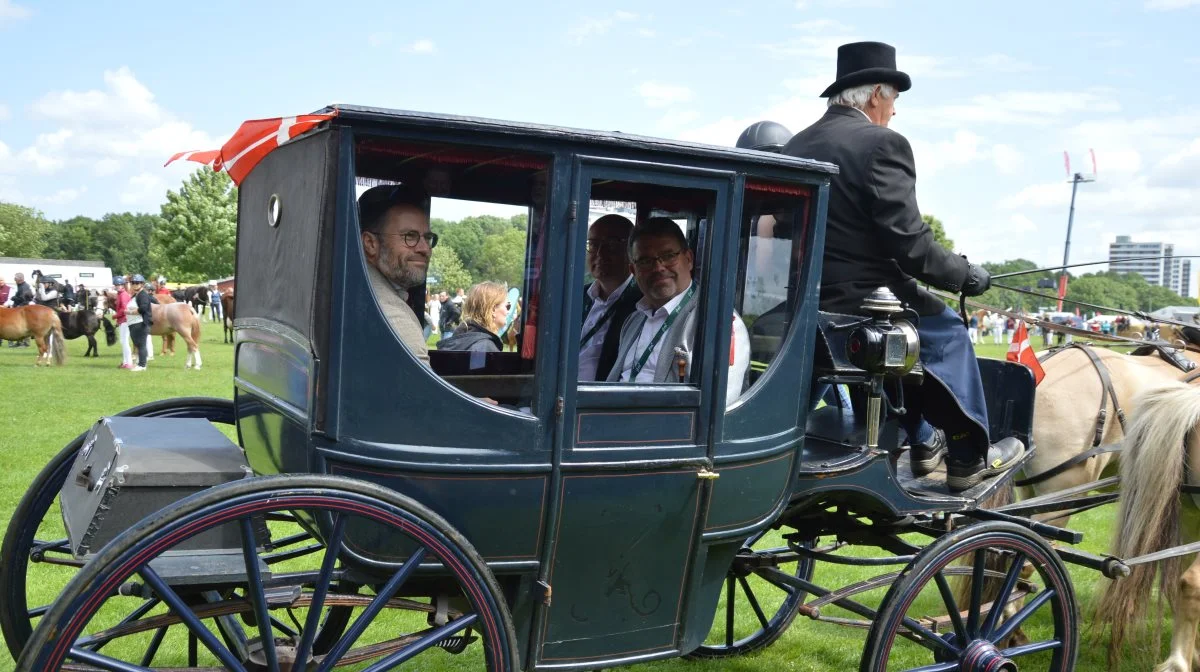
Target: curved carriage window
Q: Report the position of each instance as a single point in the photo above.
(467, 260)
(770, 250)
(644, 279)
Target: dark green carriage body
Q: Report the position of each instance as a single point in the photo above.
(597, 506)
(599, 492)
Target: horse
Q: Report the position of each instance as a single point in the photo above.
(178, 318)
(42, 324)
(1162, 453)
(227, 303)
(76, 323)
(196, 296)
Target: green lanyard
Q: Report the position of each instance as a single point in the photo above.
(641, 362)
(603, 318)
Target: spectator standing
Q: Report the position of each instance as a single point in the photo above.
(997, 329)
(435, 313)
(450, 313)
(21, 295)
(1010, 325)
(5, 290)
(122, 324)
(214, 302)
(138, 315)
(973, 329)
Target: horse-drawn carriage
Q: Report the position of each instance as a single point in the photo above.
(372, 509)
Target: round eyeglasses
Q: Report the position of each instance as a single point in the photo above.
(411, 238)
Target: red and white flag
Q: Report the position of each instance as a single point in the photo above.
(1021, 353)
(252, 141)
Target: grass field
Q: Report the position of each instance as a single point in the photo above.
(42, 409)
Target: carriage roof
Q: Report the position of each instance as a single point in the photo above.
(611, 140)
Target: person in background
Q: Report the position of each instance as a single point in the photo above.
(123, 298)
(609, 300)
(973, 328)
(5, 290)
(214, 302)
(140, 319)
(21, 295)
(485, 311)
(47, 295)
(434, 310)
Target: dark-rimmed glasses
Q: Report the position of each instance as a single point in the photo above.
(667, 259)
(411, 238)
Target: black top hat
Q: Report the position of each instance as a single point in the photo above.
(861, 63)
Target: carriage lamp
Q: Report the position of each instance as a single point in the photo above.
(884, 345)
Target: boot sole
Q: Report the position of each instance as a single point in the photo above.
(925, 467)
(960, 483)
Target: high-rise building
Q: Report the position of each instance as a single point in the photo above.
(1153, 261)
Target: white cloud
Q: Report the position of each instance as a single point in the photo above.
(1167, 5)
(1007, 159)
(657, 94)
(63, 196)
(423, 46)
(932, 157)
(95, 127)
(10, 11)
(1019, 223)
(105, 167)
(646, 32)
(590, 26)
(1020, 108)
(145, 190)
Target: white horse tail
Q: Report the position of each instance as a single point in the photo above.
(1152, 469)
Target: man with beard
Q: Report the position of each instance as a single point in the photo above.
(609, 300)
(656, 340)
(397, 244)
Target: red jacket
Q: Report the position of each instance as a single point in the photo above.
(122, 301)
(4, 292)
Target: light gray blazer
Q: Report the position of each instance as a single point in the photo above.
(398, 313)
(680, 335)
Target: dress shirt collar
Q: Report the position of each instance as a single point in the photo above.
(645, 309)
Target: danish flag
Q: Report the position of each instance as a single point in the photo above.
(1021, 353)
(252, 141)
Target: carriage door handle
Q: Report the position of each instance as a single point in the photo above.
(706, 474)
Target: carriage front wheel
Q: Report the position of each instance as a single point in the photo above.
(146, 602)
(922, 625)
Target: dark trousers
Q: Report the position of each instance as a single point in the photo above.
(952, 395)
(138, 333)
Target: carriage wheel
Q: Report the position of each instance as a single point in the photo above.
(244, 614)
(755, 613)
(975, 637)
(34, 561)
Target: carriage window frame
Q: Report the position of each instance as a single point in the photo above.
(515, 369)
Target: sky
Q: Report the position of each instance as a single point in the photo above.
(94, 97)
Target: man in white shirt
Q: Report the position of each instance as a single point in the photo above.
(657, 339)
(609, 300)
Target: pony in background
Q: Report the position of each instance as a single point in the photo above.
(76, 323)
(178, 318)
(42, 324)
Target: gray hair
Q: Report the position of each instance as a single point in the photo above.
(858, 96)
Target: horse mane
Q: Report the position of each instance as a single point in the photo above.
(1191, 335)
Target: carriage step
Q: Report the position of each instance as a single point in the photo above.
(933, 485)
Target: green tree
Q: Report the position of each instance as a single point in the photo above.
(466, 237)
(446, 272)
(22, 231)
(1103, 289)
(939, 231)
(196, 236)
(120, 241)
(71, 239)
(503, 258)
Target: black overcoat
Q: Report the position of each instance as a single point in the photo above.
(874, 234)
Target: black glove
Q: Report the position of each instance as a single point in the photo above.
(978, 280)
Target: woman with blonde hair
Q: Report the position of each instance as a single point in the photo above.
(484, 313)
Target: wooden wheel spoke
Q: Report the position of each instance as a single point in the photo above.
(1001, 601)
(1013, 623)
(976, 605)
(960, 630)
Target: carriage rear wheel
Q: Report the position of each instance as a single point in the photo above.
(241, 613)
(754, 613)
(974, 635)
(34, 561)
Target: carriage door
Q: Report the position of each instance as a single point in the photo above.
(632, 485)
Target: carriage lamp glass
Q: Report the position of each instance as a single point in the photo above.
(274, 210)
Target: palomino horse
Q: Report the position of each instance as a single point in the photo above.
(42, 324)
(1162, 453)
(178, 318)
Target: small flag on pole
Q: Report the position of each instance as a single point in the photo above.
(252, 141)
(1021, 353)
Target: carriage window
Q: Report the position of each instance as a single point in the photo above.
(644, 276)
(769, 250)
(476, 297)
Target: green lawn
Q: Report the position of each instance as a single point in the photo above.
(42, 409)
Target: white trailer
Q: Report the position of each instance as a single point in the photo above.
(93, 274)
